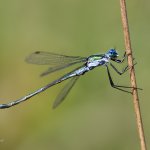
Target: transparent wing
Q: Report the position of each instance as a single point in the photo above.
(59, 67)
(63, 93)
(52, 59)
(55, 61)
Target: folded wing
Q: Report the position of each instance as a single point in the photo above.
(55, 61)
(63, 93)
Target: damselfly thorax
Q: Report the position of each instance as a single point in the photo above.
(57, 62)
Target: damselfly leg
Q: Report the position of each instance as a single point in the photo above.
(57, 62)
(119, 87)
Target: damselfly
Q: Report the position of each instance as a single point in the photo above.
(58, 62)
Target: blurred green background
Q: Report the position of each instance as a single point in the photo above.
(94, 116)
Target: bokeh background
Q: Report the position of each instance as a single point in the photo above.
(94, 116)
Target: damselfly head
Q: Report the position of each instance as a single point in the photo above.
(112, 54)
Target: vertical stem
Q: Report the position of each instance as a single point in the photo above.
(132, 74)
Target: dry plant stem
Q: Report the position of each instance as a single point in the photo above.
(132, 74)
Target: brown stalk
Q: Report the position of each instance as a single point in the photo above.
(132, 74)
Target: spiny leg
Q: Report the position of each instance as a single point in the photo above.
(124, 69)
(119, 72)
(116, 86)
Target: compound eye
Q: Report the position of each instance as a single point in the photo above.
(112, 53)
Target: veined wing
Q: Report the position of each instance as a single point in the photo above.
(59, 67)
(52, 59)
(55, 61)
(63, 93)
